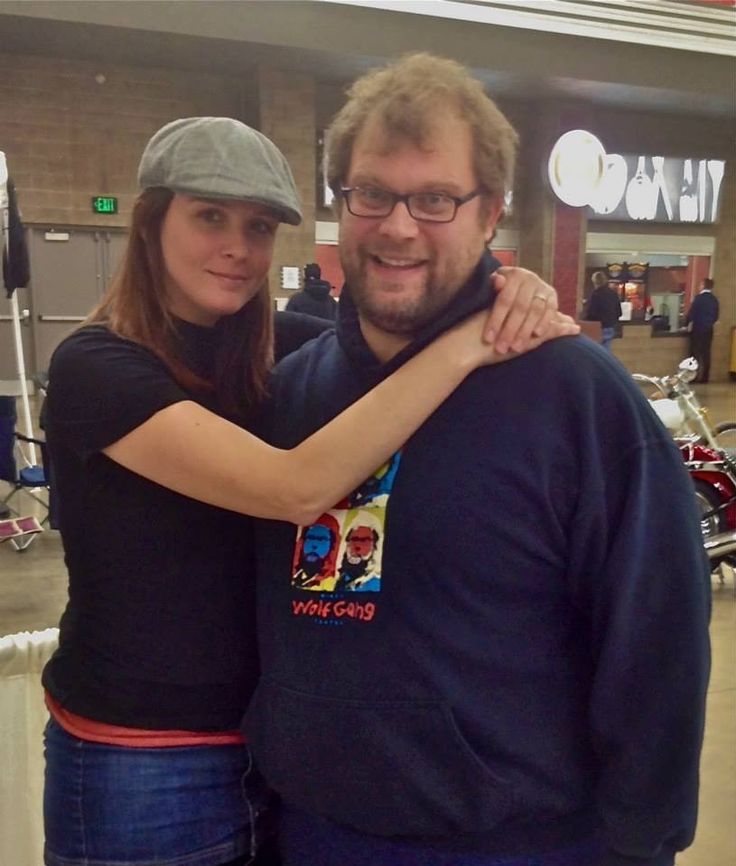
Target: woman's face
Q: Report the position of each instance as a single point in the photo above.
(216, 255)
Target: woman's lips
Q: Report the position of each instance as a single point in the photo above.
(236, 278)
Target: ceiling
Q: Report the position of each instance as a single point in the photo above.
(672, 56)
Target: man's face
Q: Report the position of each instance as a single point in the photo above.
(316, 543)
(402, 272)
(359, 543)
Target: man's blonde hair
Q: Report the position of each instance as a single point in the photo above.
(411, 97)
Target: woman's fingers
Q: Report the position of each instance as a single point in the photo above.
(523, 310)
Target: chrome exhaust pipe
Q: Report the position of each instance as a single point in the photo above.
(719, 545)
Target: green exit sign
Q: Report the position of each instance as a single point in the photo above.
(104, 204)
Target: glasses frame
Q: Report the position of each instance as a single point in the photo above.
(396, 197)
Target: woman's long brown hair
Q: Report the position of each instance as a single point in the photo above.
(134, 307)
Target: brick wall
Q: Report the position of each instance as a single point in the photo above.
(68, 136)
(287, 117)
(75, 129)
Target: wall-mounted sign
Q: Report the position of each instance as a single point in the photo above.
(289, 277)
(104, 204)
(618, 186)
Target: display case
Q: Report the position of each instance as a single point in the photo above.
(629, 279)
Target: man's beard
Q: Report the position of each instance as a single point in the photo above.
(313, 566)
(352, 570)
(402, 319)
(411, 314)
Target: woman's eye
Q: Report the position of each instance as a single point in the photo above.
(263, 227)
(211, 215)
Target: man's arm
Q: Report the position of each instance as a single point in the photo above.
(590, 312)
(645, 581)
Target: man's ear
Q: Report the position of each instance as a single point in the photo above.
(492, 216)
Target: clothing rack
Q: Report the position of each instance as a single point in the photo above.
(14, 311)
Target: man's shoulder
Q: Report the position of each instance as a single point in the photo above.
(565, 369)
(294, 328)
(321, 347)
(577, 356)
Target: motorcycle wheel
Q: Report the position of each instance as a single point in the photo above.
(725, 436)
(707, 500)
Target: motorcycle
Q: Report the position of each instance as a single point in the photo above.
(709, 455)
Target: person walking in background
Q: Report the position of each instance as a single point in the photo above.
(604, 306)
(149, 406)
(315, 298)
(701, 317)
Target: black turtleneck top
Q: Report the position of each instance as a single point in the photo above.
(158, 631)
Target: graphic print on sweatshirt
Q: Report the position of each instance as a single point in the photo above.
(342, 551)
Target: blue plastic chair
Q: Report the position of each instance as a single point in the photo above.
(17, 470)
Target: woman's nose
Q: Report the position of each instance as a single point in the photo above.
(235, 244)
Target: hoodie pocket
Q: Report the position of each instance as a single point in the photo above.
(386, 768)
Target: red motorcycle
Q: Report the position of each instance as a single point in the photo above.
(708, 454)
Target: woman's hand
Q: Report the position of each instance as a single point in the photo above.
(524, 314)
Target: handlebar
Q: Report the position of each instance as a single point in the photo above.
(663, 384)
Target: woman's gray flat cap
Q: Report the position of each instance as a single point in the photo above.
(218, 157)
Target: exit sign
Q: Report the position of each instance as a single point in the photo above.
(104, 204)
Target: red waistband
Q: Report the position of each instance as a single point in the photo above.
(117, 735)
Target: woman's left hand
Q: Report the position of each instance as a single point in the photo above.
(524, 314)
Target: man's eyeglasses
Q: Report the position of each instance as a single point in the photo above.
(430, 207)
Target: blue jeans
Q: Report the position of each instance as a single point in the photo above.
(182, 806)
(307, 840)
(607, 335)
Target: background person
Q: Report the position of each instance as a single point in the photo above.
(147, 416)
(701, 317)
(527, 684)
(315, 298)
(604, 306)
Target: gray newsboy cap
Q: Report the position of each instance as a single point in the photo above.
(218, 157)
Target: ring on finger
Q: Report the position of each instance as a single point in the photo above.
(541, 297)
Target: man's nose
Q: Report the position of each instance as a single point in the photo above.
(399, 223)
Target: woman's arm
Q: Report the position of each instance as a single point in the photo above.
(188, 449)
(195, 452)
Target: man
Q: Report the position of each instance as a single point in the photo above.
(528, 684)
(316, 552)
(604, 306)
(359, 566)
(315, 298)
(701, 317)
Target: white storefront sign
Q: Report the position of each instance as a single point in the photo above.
(616, 186)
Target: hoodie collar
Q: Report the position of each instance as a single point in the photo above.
(476, 294)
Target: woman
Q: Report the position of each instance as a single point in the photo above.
(148, 410)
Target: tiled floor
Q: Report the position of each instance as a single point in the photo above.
(33, 592)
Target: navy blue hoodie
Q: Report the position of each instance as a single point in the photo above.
(498, 643)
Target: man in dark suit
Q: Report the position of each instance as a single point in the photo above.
(701, 317)
(604, 306)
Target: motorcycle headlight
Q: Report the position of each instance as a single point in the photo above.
(688, 369)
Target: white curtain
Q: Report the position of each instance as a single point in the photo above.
(23, 716)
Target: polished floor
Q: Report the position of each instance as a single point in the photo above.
(33, 594)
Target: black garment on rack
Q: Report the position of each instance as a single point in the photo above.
(16, 262)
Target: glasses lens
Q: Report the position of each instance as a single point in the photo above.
(370, 201)
(431, 206)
